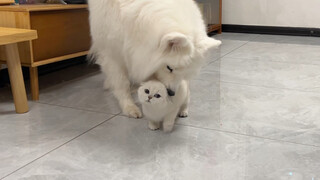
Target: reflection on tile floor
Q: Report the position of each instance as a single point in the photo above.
(254, 115)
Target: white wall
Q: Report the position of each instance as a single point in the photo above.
(288, 13)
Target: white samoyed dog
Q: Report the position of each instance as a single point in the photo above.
(133, 40)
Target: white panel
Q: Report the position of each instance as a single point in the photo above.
(289, 13)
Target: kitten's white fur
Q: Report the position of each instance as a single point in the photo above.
(165, 108)
(133, 39)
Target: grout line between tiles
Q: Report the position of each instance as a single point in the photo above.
(259, 137)
(269, 87)
(252, 40)
(230, 52)
(231, 132)
(59, 146)
(75, 108)
(283, 62)
(311, 90)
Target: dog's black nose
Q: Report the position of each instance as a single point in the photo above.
(170, 92)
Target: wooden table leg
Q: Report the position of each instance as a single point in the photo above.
(16, 78)
(34, 83)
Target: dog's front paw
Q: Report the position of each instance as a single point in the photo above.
(167, 127)
(153, 125)
(132, 111)
(183, 114)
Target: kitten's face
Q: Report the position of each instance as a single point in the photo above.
(153, 92)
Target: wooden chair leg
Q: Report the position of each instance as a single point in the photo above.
(16, 78)
(34, 83)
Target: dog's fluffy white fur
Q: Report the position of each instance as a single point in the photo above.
(133, 39)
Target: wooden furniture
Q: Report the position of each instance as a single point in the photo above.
(212, 13)
(6, 2)
(63, 32)
(9, 37)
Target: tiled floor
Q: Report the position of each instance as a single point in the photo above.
(255, 115)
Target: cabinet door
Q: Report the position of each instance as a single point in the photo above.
(60, 33)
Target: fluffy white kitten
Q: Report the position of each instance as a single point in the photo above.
(134, 39)
(158, 106)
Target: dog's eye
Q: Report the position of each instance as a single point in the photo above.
(147, 91)
(170, 69)
(157, 95)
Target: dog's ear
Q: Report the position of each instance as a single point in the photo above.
(207, 43)
(176, 42)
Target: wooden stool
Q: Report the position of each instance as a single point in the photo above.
(9, 37)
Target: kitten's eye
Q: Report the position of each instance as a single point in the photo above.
(157, 95)
(170, 69)
(147, 91)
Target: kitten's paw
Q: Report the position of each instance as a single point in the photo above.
(132, 111)
(154, 125)
(183, 114)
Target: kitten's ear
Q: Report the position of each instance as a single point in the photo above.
(176, 42)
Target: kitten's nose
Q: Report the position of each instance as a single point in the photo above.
(149, 97)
